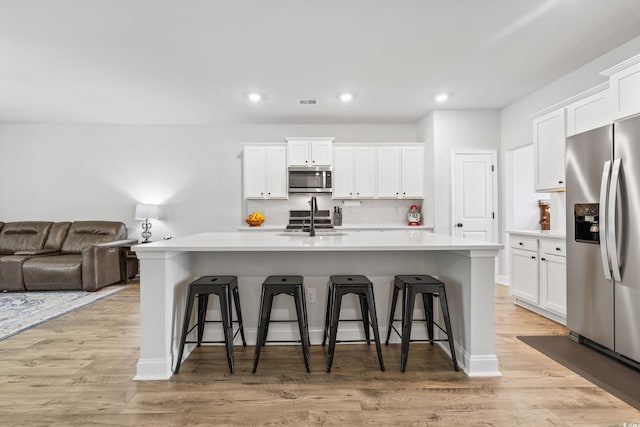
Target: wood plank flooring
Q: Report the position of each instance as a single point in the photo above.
(78, 370)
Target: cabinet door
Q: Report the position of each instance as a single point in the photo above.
(254, 170)
(625, 91)
(321, 153)
(549, 137)
(389, 179)
(524, 275)
(343, 172)
(553, 283)
(364, 166)
(412, 172)
(589, 113)
(298, 153)
(276, 173)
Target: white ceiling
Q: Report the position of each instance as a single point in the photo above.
(194, 61)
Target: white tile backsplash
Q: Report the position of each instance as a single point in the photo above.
(383, 212)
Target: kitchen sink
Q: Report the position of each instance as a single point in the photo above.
(306, 233)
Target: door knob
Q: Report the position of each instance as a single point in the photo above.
(459, 224)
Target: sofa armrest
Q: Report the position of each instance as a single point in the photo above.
(38, 252)
(118, 243)
(101, 266)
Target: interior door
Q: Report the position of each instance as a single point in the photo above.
(474, 195)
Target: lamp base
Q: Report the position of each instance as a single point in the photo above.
(146, 234)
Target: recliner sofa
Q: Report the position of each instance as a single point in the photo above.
(41, 255)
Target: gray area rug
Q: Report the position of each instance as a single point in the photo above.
(20, 311)
(619, 379)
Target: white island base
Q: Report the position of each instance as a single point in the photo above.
(166, 268)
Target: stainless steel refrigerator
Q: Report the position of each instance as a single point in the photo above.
(603, 238)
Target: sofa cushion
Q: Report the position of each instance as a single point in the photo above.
(53, 272)
(23, 236)
(57, 235)
(83, 234)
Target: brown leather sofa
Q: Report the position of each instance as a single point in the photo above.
(41, 255)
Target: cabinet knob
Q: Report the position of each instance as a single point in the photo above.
(543, 259)
(560, 182)
(558, 249)
(521, 243)
(532, 257)
(459, 224)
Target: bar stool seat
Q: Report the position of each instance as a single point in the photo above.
(338, 287)
(429, 287)
(289, 285)
(225, 287)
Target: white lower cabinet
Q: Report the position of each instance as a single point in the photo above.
(538, 275)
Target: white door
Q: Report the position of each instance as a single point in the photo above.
(475, 187)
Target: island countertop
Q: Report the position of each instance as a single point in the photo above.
(167, 267)
(393, 240)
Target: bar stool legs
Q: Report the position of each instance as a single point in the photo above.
(272, 286)
(429, 287)
(340, 286)
(225, 287)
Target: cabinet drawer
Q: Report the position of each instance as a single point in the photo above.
(524, 242)
(553, 247)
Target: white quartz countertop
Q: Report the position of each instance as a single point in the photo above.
(265, 227)
(392, 240)
(539, 233)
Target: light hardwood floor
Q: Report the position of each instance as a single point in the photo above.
(78, 369)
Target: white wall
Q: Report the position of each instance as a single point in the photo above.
(73, 172)
(456, 130)
(516, 127)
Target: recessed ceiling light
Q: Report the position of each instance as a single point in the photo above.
(346, 97)
(254, 97)
(441, 97)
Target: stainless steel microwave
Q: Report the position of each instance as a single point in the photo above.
(310, 179)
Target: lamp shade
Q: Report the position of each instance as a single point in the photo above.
(144, 211)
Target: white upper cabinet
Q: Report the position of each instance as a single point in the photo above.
(265, 172)
(401, 172)
(309, 151)
(549, 135)
(413, 172)
(624, 82)
(591, 110)
(354, 172)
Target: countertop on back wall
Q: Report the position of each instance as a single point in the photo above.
(540, 233)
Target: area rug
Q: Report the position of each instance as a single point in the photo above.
(20, 311)
(606, 372)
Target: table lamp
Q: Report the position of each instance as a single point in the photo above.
(146, 212)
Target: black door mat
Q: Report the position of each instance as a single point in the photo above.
(619, 379)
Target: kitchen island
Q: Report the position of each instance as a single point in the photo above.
(167, 267)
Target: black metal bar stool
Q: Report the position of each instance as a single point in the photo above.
(429, 287)
(224, 287)
(338, 287)
(272, 286)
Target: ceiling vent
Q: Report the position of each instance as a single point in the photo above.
(307, 101)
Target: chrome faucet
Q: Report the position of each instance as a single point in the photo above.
(314, 210)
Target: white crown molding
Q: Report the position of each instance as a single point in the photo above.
(621, 66)
(570, 100)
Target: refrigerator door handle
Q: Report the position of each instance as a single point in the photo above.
(611, 220)
(604, 253)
